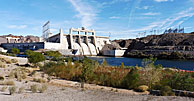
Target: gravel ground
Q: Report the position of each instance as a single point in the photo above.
(58, 93)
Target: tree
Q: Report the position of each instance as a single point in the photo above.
(15, 51)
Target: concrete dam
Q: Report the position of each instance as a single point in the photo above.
(79, 41)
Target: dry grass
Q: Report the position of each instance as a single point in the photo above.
(12, 90)
(7, 83)
(14, 60)
(43, 88)
(21, 90)
(2, 64)
(5, 60)
(39, 80)
(34, 88)
(3, 89)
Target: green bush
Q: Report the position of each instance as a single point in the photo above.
(131, 80)
(35, 57)
(166, 91)
(15, 51)
(54, 54)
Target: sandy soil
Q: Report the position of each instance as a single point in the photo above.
(58, 93)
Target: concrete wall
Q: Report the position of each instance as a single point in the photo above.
(101, 41)
(116, 53)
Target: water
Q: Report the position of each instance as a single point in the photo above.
(116, 61)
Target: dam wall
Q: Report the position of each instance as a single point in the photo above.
(84, 42)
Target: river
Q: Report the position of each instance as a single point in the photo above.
(116, 61)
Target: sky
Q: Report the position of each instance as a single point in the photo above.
(119, 19)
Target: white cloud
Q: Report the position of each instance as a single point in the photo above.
(114, 17)
(144, 7)
(163, 0)
(17, 26)
(86, 12)
(151, 13)
(114, 2)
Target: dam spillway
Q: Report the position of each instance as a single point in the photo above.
(84, 42)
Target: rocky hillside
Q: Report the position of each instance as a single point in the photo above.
(181, 42)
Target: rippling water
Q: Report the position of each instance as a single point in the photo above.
(116, 61)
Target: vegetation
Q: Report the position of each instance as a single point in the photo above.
(12, 90)
(15, 51)
(167, 91)
(148, 77)
(34, 57)
(2, 78)
(7, 83)
(21, 90)
(55, 55)
(3, 89)
(43, 88)
(39, 80)
(34, 88)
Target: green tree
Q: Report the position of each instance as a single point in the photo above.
(15, 51)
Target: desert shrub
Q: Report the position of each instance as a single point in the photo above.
(1, 78)
(5, 60)
(3, 89)
(141, 88)
(12, 90)
(15, 51)
(166, 91)
(14, 60)
(21, 90)
(122, 65)
(150, 74)
(39, 80)
(34, 88)
(18, 73)
(43, 88)
(7, 83)
(131, 80)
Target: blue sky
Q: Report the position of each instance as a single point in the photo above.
(121, 19)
